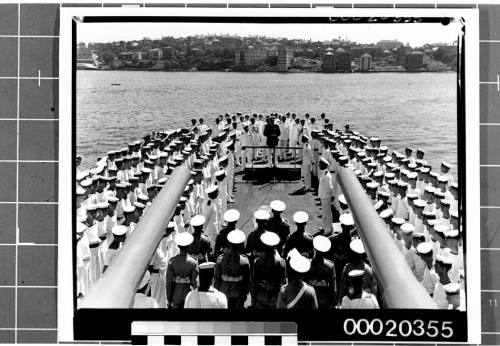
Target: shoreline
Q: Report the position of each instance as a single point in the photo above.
(280, 72)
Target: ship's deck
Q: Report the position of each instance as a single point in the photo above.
(250, 195)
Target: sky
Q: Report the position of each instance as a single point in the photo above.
(415, 34)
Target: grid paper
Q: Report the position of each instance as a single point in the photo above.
(28, 175)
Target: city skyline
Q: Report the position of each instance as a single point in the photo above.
(415, 34)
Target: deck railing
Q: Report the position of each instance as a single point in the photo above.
(400, 288)
(118, 284)
(265, 148)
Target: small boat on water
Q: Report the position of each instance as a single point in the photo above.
(115, 84)
(344, 185)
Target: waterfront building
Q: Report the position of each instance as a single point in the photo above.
(155, 54)
(168, 52)
(343, 60)
(401, 54)
(273, 51)
(284, 58)
(249, 56)
(374, 51)
(329, 63)
(414, 60)
(365, 62)
(389, 44)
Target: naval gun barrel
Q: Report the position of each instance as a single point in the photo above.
(400, 288)
(116, 288)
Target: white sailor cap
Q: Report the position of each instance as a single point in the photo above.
(86, 182)
(355, 273)
(102, 205)
(128, 208)
(197, 220)
(342, 199)
(231, 215)
(387, 213)
(356, 245)
(398, 221)
(81, 218)
(420, 203)
(171, 225)
(454, 185)
(452, 233)
(142, 197)
(137, 142)
(430, 189)
(443, 179)
(454, 214)
(325, 161)
(277, 205)
(378, 173)
(261, 214)
(387, 159)
(91, 207)
(441, 228)
(433, 222)
(162, 180)
(145, 170)
(269, 238)
(445, 202)
(452, 288)
(374, 139)
(80, 227)
(153, 157)
(119, 230)
(378, 205)
(412, 196)
(446, 164)
(183, 239)
(300, 264)
(418, 235)
(407, 228)
(220, 173)
(82, 175)
(236, 237)
(211, 189)
(113, 199)
(322, 243)
(412, 175)
(145, 280)
(424, 248)
(120, 185)
(139, 205)
(346, 219)
(163, 154)
(300, 217)
(444, 258)
(305, 136)
(80, 191)
(372, 185)
(223, 158)
(97, 170)
(207, 265)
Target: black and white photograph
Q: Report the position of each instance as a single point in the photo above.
(319, 163)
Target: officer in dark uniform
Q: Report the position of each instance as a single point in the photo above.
(278, 224)
(297, 294)
(322, 274)
(357, 261)
(232, 271)
(182, 272)
(269, 273)
(231, 216)
(300, 239)
(340, 251)
(200, 248)
(254, 247)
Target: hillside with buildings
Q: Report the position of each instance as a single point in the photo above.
(256, 54)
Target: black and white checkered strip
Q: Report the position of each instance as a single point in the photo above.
(219, 340)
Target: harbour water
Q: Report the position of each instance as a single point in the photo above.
(415, 109)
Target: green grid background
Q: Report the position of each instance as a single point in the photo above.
(29, 129)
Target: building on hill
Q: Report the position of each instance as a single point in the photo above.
(284, 58)
(365, 62)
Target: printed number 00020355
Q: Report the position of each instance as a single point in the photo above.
(404, 328)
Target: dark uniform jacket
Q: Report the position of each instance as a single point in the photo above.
(282, 228)
(288, 293)
(321, 277)
(369, 280)
(269, 274)
(200, 248)
(272, 133)
(255, 247)
(221, 242)
(182, 274)
(232, 275)
(302, 241)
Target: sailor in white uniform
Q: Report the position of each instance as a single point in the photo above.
(212, 214)
(357, 298)
(408, 250)
(206, 296)
(307, 163)
(220, 181)
(246, 140)
(429, 277)
(455, 296)
(325, 193)
(141, 300)
(82, 260)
